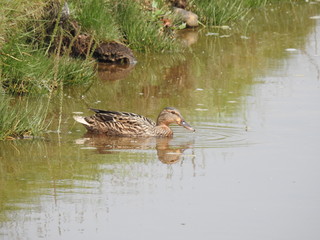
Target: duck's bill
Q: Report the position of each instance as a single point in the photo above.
(187, 126)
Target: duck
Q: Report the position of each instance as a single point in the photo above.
(113, 123)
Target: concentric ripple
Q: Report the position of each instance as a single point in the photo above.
(216, 136)
(212, 135)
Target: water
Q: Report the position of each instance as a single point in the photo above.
(251, 170)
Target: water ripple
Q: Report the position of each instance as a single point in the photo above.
(210, 135)
(217, 136)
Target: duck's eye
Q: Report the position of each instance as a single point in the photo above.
(173, 112)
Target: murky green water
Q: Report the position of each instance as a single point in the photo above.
(251, 170)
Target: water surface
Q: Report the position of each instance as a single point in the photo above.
(251, 170)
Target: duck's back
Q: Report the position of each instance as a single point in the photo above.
(120, 123)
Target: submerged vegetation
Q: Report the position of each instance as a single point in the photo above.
(41, 46)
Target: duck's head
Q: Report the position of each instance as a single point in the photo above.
(171, 115)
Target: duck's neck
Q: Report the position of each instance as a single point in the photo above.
(163, 130)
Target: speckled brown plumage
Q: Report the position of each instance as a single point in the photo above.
(131, 124)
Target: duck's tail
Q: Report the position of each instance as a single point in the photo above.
(81, 120)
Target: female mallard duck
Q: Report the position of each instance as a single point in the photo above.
(131, 124)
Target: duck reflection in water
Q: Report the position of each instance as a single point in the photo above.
(167, 154)
(114, 72)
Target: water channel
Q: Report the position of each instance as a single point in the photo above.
(250, 171)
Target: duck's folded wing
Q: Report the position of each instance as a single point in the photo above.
(125, 118)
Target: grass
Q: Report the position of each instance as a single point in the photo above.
(19, 120)
(220, 12)
(26, 69)
(96, 18)
(140, 29)
(29, 71)
(126, 21)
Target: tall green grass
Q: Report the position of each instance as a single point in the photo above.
(96, 18)
(19, 119)
(25, 65)
(28, 71)
(26, 68)
(219, 12)
(14, 15)
(139, 28)
(125, 21)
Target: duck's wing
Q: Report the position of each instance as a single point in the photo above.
(123, 123)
